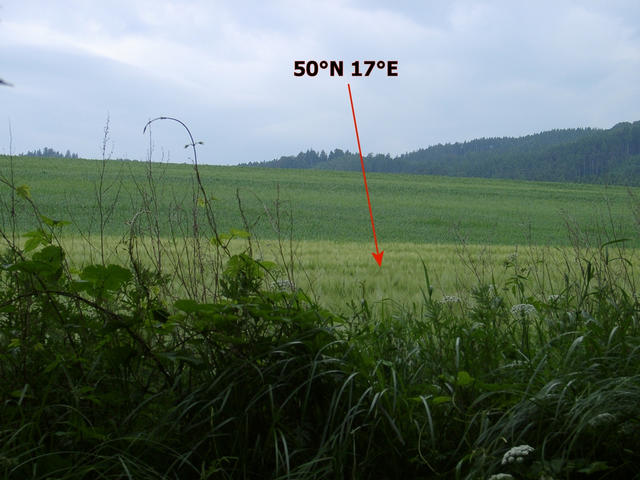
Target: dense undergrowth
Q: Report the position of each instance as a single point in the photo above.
(107, 373)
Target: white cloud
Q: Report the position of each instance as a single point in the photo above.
(466, 69)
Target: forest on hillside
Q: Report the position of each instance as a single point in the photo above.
(585, 155)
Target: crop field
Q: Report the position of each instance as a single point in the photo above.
(463, 229)
(332, 206)
(238, 327)
(335, 274)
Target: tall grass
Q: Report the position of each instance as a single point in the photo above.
(189, 356)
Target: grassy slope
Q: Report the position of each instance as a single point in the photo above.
(332, 205)
(417, 217)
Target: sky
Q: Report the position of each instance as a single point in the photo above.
(466, 69)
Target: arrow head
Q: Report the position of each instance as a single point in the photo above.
(378, 257)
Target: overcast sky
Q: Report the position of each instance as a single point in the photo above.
(466, 69)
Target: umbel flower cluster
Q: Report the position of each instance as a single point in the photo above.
(513, 456)
(516, 454)
(523, 310)
(450, 299)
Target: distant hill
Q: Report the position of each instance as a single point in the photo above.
(569, 155)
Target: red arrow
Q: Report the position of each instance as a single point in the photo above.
(378, 255)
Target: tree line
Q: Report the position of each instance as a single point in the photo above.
(49, 153)
(585, 155)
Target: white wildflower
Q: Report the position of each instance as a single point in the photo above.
(516, 454)
(523, 310)
(284, 284)
(501, 476)
(450, 299)
(553, 298)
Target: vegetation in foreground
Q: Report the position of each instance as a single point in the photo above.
(107, 373)
(103, 377)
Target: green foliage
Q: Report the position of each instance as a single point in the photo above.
(97, 374)
(100, 281)
(244, 276)
(569, 155)
(108, 373)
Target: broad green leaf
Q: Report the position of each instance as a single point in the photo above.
(29, 266)
(35, 239)
(53, 223)
(464, 379)
(239, 233)
(52, 254)
(269, 266)
(31, 244)
(46, 262)
(186, 305)
(111, 277)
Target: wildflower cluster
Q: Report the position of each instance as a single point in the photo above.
(285, 285)
(516, 454)
(523, 310)
(450, 299)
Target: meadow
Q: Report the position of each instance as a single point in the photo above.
(454, 225)
(332, 206)
(235, 325)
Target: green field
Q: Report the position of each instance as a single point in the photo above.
(454, 225)
(332, 206)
